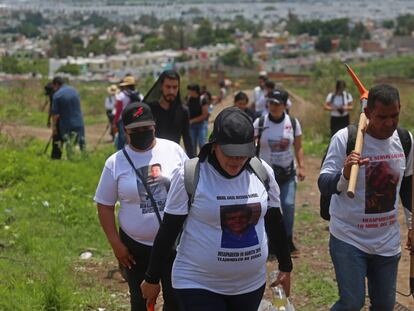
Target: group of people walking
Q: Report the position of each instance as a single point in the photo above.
(203, 224)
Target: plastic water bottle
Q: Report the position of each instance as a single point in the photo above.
(279, 299)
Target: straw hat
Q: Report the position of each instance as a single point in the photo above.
(128, 80)
(112, 90)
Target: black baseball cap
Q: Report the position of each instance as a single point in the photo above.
(234, 132)
(277, 97)
(137, 115)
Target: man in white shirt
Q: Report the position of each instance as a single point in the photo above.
(365, 233)
(258, 103)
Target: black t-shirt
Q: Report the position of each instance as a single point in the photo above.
(250, 113)
(195, 107)
(173, 123)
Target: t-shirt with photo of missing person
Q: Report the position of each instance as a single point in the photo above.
(223, 247)
(370, 220)
(119, 183)
(277, 140)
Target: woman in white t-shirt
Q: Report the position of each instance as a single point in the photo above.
(339, 104)
(280, 144)
(221, 257)
(139, 177)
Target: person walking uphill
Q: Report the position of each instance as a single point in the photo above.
(198, 111)
(276, 133)
(364, 231)
(127, 95)
(67, 119)
(339, 104)
(138, 176)
(171, 117)
(221, 257)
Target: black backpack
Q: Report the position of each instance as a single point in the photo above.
(325, 200)
(134, 96)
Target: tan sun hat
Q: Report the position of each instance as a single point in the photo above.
(113, 89)
(128, 80)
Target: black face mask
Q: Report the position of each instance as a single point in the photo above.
(141, 140)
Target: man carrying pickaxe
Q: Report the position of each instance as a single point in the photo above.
(364, 231)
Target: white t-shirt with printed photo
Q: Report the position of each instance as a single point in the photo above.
(119, 183)
(339, 101)
(223, 247)
(277, 140)
(370, 220)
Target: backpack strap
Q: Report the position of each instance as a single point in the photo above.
(261, 125)
(405, 139)
(145, 184)
(256, 166)
(352, 134)
(293, 122)
(191, 177)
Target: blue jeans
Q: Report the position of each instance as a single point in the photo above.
(352, 266)
(121, 139)
(287, 201)
(198, 133)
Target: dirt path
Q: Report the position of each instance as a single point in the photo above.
(94, 133)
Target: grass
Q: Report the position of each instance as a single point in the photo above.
(47, 218)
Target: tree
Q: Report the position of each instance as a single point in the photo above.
(149, 21)
(72, 69)
(405, 25)
(171, 35)
(28, 29)
(63, 45)
(126, 30)
(97, 46)
(324, 44)
(205, 35)
(389, 24)
(98, 21)
(236, 58)
(10, 64)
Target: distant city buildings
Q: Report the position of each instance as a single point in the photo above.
(145, 64)
(272, 48)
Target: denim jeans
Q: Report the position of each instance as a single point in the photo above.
(287, 201)
(198, 133)
(352, 266)
(121, 139)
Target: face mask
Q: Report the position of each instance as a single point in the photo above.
(141, 140)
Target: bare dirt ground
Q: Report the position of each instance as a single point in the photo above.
(94, 133)
(313, 255)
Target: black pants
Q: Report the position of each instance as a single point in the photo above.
(136, 275)
(338, 123)
(204, 300)
(57, 144)
(111, 117)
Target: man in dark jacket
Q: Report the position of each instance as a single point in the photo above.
(171, 117)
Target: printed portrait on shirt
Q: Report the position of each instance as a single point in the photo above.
(381, 180)
(278, 145)
(158, 185)
(238, 225)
